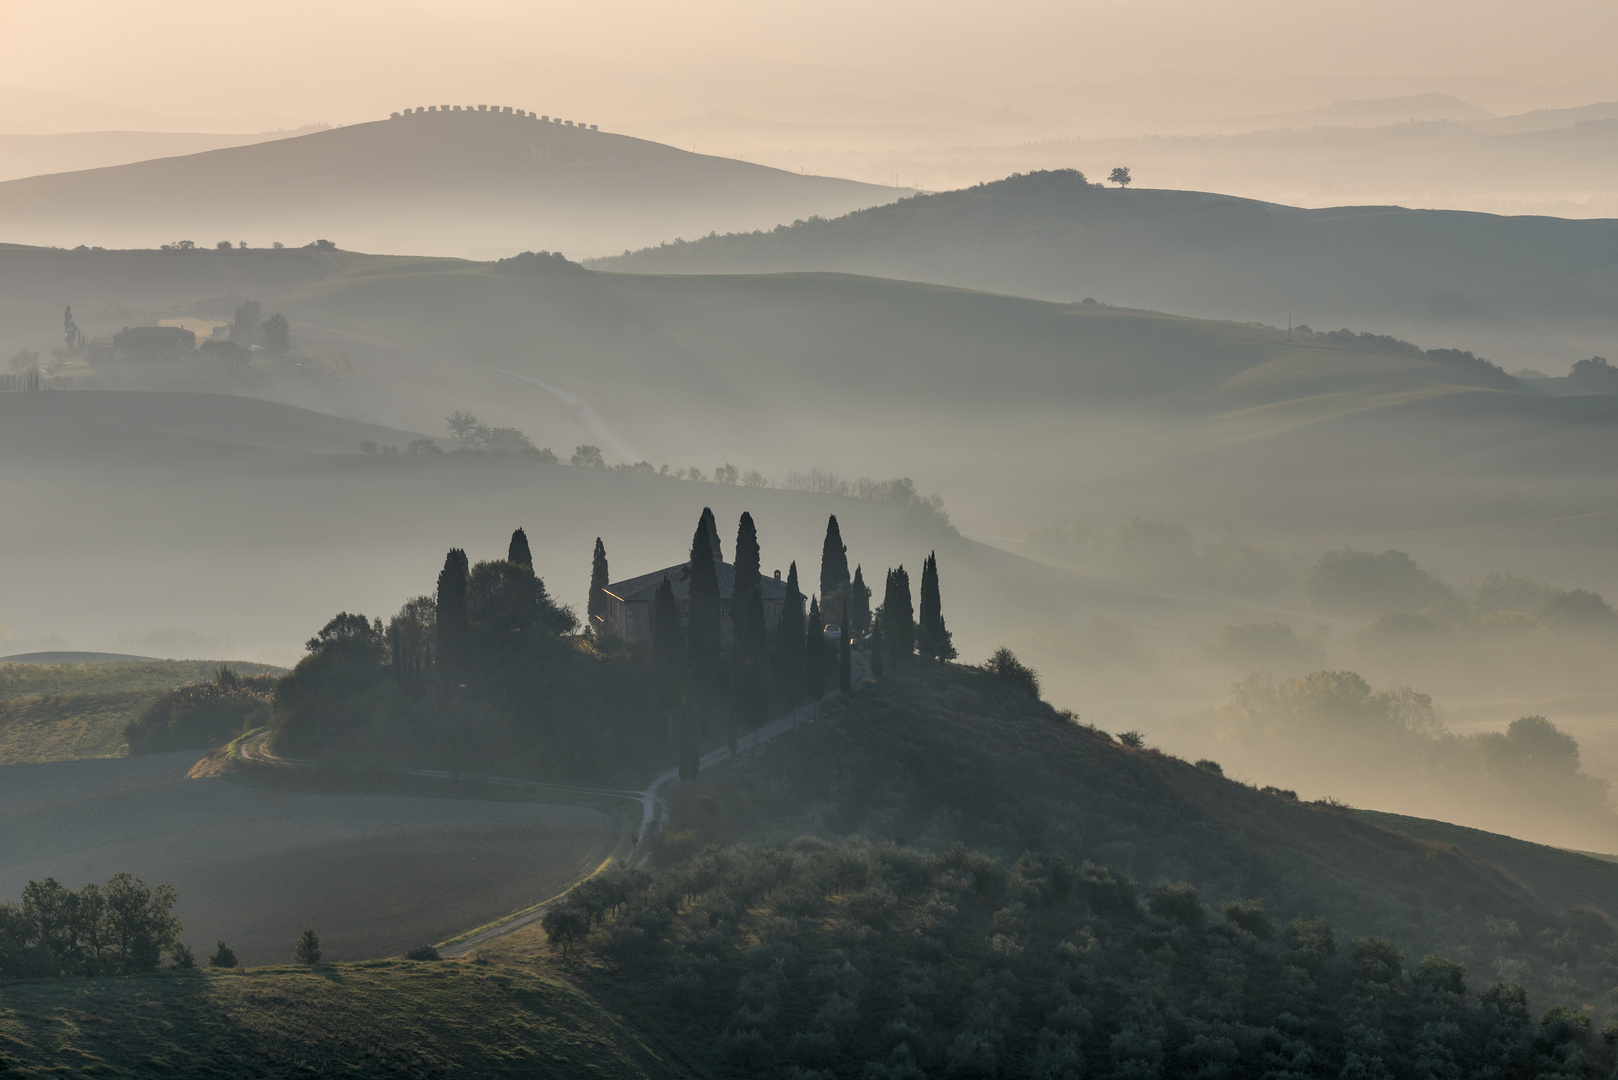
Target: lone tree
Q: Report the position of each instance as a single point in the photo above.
(596, 613)
(833, 565)
(450, 619)
(932, 638)
(223, 956)
(898, 616)
(277, 335)
(1120, 176)
(750, 643)
(518, 551)
(307, 950)
(462, 426)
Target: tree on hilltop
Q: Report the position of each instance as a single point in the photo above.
(518, 551)
(789, 641)
(833, 564)
(859, 605)
(450, 619)
(462, 425)
(596, 610)
(814, 653)
(1120, 176)
(898, 615)
(932, 638)
(307, 949)
(702, 612)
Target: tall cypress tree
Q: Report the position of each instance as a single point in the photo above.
(668, 651)
(833, 565)
(859, 597)
(899, 616)
(702, 612)
(713, 534)
(597, 611)
(450, 620)
(932, 637)
(518, 551)
(814, 654)
(789, 642)
(749, 650)
(845, 656)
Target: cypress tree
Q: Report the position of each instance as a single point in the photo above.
(833, 564)
(713, 534)
(932, 637)
(702, 614)
(518, 551)
(859, 595)
(814, 654)
(450, 619)
(749, 637)
(747, 558)
(789, 642)
(668, 651)
(596, 613)
(690, 748)
(845, 656)
(899, 614)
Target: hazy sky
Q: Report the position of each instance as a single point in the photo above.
(630, 60)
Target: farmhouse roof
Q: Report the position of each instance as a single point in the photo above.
(644, 588)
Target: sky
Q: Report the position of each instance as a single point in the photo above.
(1040, 64)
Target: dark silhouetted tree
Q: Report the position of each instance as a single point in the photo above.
(668, 650)
(859, 605)
(1120, 176)
(70, 332)
(747, 557)
(845, 655)
(307, 949)
(450, 619)
(815, 667)
(223, 956)
(932, 638)
(833, 565)
(518, 551)
(597, 611)
(712, 526)
(789, 642)
(702, 614)
(277, 335)
(899, 620)
(749, 635)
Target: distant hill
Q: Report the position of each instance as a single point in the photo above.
(437, 182)
(1501, 286)
(55, 152)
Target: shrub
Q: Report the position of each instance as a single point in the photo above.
(307, 949)
(423, 952)
(1132, 739)
(1249, 917)
(1177, 901)
(1209, 765)
(1005, 666)
(184, 957)
(200, 715)
(1437, 973)
(1352, 582)
(223, 956)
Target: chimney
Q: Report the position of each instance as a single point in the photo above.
(778, 575)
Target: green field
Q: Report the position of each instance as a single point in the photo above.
(383, 1018)
(61, 712)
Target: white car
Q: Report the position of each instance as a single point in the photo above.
(834, 632)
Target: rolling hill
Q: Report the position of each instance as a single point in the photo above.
(438, 182)
(1532, 290)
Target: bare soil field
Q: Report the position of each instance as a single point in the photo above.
(374, 875)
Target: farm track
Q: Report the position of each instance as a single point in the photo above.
(254, 748)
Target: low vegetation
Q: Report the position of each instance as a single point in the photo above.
(58, 712)
(201, 715)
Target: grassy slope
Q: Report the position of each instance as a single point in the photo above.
(1562, 878)
(57, 712)
(374, 1019)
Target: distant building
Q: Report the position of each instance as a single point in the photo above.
(629, 602)
(141, 342)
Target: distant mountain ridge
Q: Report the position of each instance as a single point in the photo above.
(424, 183)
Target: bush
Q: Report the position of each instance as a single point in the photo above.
(1177, 901)
(423, 952)
(307, 949)
(184, 957)
(223, 956)
(201, 715)
(1005, 666)
(1211, 766)
(1132, 739)
(1351, 582)
(1249, 917)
